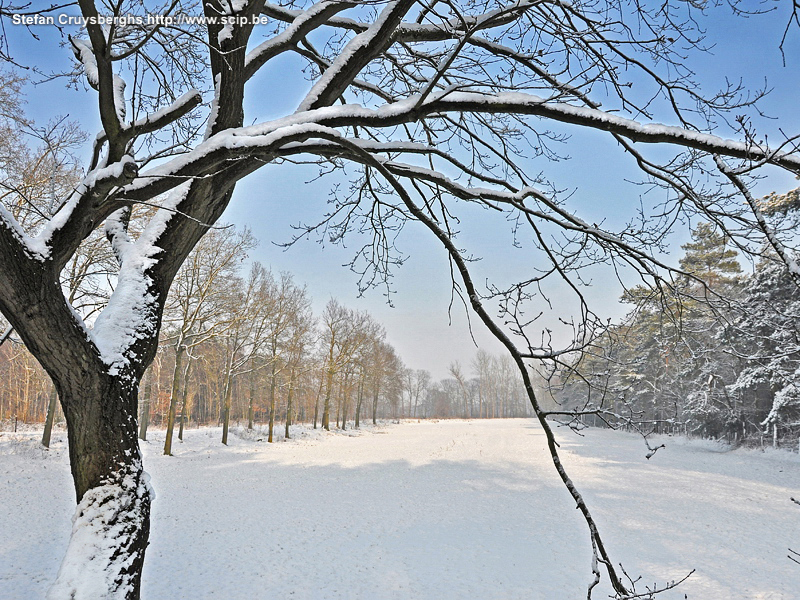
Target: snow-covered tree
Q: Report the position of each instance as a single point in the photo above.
(767, 338)
(442, 107)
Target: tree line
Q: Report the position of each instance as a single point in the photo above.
(717, 354)
(244, 347)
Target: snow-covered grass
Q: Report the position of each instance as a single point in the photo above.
(430, 510)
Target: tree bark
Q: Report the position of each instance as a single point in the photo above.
(345, 395)
(111, 525)
(326, 411)
(375, 405)
(226, 406)
(360, 401)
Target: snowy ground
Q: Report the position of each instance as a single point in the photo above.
(432, 510)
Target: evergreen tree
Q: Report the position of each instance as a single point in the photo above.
(767, 333)
(667, 362)
(709, 258)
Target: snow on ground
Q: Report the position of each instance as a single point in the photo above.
(430, 511)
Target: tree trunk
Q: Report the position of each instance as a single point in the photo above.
(359, 402)
(173, 398)
(375, 405)
(226, 410)
(112, 520)
(326, 411)
(345, 394)
(252, 397)
(271, 401)
(289, 403)
(145, 418)
(184, 396)
(51, 412)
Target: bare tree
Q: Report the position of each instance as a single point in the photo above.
(286, 332)
(197, 309)
(251, 307)
(416, 383)
(344, 331)
(436, 103)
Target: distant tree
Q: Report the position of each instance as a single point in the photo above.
(286, 332)
(710, 258)
(198, 306)
(668, 362)
(251, 308)
(767, 334)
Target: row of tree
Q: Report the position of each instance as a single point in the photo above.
(716, 355)
(246, 348)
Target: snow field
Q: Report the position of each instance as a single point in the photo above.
(429, 511)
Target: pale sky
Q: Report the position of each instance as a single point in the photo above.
(419, 326)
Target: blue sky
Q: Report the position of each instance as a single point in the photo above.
(419, 325)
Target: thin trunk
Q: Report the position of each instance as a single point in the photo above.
(51, 412)
(184, 396)
(316, 400)
(360, 401)
(145, 418)
(289, 406)
(226, 410)
(326, 410)
(345, 395)
(271, 401)
(173, 398)
(375, 403)
(252, 396)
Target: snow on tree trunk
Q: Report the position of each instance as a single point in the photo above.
(110, 528)
(111, 524)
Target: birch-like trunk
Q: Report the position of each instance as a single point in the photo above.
(251, 399)
(326, 410)
(360, 401)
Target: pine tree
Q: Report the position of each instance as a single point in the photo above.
(767, 332)
(709, 258)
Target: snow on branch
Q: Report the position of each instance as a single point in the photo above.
(303, 23)
(423, 32)
(95, 184)
(83, 52)
(130, 313)
(156, 120)
(648, 133)
(268, 141)
(355, 56)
